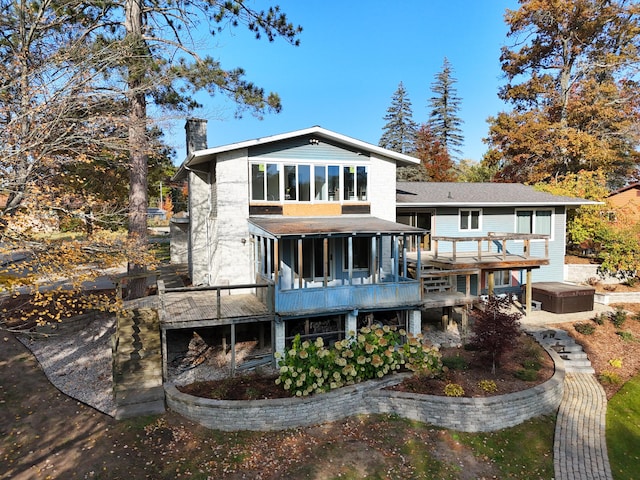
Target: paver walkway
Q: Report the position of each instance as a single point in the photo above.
(580, 447)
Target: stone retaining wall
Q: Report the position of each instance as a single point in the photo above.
(462, 414)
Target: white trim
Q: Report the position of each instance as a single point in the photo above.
(470, 229)
(534, 210)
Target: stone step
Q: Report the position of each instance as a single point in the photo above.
(573, 356)
(577, 363)
(577, 369)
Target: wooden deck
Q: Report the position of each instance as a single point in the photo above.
(447, 299)
(486, 261)
(200, 309)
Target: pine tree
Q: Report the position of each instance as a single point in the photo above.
(445, 104)
(399, 132)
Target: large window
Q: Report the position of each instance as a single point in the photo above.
(534, 221)
(306, 183)
(265, 181)
(470, 220)
(361, 253)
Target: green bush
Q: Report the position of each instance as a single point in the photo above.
(532, 365)
(310, 367)
(600, 318)
(584, 328)
(610, 377)
(619, 317)
(626, 336)
(455, 363)
(526, 374)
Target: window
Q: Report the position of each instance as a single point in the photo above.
(269, 183)
(534, 221)
(313, 259)
(303, 183)
(469, 220)
(361, 253)
(320, 172)
(501, 278)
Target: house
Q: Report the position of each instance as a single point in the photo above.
(308, 233)
(292, 234)
(628, 198)
(512, 234)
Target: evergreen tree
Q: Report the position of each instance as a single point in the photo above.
(444, 121)
(399, 132)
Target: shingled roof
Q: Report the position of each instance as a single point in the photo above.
(434, 194)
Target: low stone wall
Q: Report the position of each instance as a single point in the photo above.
(613, 297)
(462, 414)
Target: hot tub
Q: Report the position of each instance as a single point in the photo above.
(558, 297)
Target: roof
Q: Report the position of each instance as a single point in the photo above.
(435, 194)
(203, 156)
(278, 226)
(624, 189)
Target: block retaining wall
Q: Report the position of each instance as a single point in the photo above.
(462, 414)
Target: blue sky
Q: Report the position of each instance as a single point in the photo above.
(352, 56)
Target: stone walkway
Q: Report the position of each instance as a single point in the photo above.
(580, 447)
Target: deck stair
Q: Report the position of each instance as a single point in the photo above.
(575, 359)
(137, 364)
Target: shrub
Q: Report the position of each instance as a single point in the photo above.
(600, 318)
(636, 317)
(310, 367)
(619, 317)
(453, 390)
(584, 328)
(610, 377)
(626, 336)
(532, 365)
(495, 330)
(455, 363)
(526, 374)
(488, 386)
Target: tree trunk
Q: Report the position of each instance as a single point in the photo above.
(138, 201)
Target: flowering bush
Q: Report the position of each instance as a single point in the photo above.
(488, 386)
(310, 367)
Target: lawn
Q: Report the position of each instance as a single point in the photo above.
(623, 431)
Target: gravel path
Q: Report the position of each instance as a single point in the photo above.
(79, 363)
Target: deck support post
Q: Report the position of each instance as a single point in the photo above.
(233, 349)
(351, 323)
(414, 326)
(447, 314)
(278, 336)
(528, 293)
(491, 282)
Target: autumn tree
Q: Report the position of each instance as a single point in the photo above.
(444, 121)
(472, 171)
(572, 80)
(495, 328)
(434, 156)
(602, 227)
(399, 131)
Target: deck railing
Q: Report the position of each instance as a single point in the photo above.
(264, 291)
(497, 241)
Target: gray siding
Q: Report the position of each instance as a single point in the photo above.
(299, 149)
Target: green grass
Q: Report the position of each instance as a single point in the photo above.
(623, 431)
(523, 451)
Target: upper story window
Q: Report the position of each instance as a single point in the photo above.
(534, 221)
(470, 220)
(305, 183)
